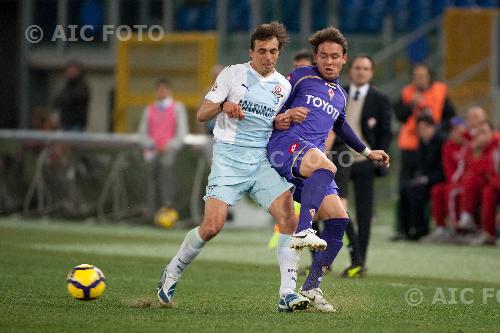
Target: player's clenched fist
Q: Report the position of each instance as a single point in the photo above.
(298, 114)
(233, 110)
(282, 121)
(379, 156)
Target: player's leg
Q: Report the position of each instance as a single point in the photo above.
(286, 155)
(219, 195)
(272, 192)
(319, 171)
(213, 222)
(335, 217)
(283, 213)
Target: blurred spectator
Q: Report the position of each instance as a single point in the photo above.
(165, 123)
(303, 58)
(414, 196)
(421, 96)
(443, 194)
(474, 180)
(72, 101)
(490, 198)
(369, 114)
(475, 116)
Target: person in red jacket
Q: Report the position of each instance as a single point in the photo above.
(475, 179)
(451, 154)
(490, 198)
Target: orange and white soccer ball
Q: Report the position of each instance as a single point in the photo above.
(86, 282)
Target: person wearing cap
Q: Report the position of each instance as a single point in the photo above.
(443, 195)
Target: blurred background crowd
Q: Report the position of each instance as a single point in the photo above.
(106, 126)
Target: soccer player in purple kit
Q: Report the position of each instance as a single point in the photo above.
(297, 153)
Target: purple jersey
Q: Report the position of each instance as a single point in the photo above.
(325, 99)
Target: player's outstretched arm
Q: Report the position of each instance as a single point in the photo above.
(344, 130)
(209, 109)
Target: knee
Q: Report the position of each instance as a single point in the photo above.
(335, 212)
(287, 223)
(286, 219)
(328, 165)
(209, 229)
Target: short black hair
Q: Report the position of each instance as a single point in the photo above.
(362, 56)
(330, 34)
(426, 118)
(268, 31)
(304, 54)
(163, 82)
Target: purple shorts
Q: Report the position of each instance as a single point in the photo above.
(285, 153)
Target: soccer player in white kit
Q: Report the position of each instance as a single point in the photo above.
(245, 98)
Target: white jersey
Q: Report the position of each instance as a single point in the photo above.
(260, 98)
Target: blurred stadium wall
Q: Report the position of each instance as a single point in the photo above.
(459, 39)
(397, 32)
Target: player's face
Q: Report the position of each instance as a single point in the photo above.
(265, 55)
(361, 71)
(330, 58)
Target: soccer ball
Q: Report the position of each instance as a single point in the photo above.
(166, 218)
(86, 282)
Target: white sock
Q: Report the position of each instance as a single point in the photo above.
(289, 263)
(190, 248)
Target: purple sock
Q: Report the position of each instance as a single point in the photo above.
(332, 234)
(313, 193)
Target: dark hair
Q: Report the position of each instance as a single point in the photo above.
(429, 70)
(426, 118)
(330, 34)
(304, 54)
(362, 56)
(163, 82)
(268, 31)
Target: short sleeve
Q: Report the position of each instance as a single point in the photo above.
(220, 90)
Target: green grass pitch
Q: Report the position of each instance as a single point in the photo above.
(233, 285)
